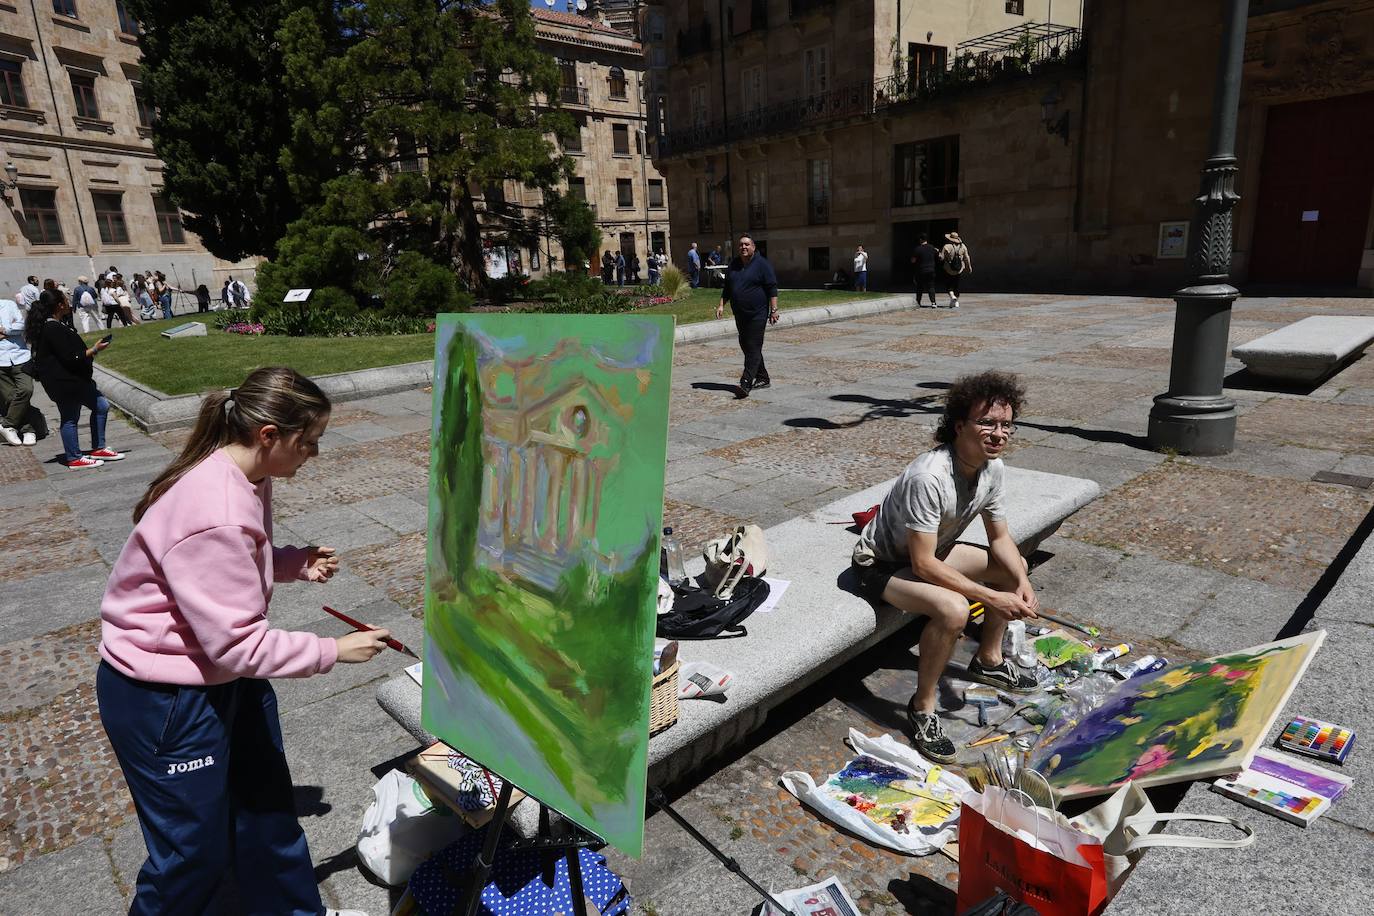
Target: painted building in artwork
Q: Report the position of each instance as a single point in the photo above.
(603, 89)
(1062, 140)
(548, 445)
(85, 188)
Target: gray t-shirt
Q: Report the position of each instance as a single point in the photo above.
(930, 498)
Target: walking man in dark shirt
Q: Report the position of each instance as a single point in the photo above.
(923, 260)
(751, 288)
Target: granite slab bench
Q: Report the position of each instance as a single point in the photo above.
(819, 624)
(1307, 350)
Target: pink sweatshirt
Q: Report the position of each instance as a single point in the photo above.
(187, 600)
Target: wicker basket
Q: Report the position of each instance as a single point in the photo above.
(663, 700)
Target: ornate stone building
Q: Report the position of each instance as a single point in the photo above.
(85, 189)
(604, 91)
(1062, 141)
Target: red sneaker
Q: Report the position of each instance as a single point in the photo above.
(106, 454)
(81, 463)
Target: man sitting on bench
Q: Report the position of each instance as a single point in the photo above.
(908, 554)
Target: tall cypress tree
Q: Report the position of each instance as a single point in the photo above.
(213, 69)
(416, 107)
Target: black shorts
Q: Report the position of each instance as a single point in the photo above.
(873, 579)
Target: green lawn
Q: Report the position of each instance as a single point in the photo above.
(221, 360)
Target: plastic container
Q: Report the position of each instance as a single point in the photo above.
(673, 564)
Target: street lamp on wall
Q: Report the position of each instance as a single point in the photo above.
(11, 182)
(1056, 122)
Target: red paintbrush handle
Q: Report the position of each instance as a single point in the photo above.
(358, 625)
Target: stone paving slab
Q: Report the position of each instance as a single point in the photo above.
(1180, 556)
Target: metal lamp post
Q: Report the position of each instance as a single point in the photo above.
(1194, 417)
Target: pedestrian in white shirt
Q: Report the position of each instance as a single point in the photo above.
(27, 295)
(860, 270)
(16, 377)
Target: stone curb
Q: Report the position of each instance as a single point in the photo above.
(156, 412)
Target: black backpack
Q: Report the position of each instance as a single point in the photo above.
(698, 614)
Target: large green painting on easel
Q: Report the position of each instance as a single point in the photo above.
(546, 503)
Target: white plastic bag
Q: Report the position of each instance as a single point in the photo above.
(402, 828)
(918, 841)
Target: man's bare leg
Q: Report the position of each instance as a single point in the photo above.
(994, 627)
(947, 611)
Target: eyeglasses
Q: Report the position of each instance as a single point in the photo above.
(989, 424)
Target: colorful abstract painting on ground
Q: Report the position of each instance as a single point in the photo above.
(546, 504)
(890, 796)
(1193, 721)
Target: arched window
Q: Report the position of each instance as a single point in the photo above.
(617, 80)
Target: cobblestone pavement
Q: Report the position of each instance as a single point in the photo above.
(1189, 556)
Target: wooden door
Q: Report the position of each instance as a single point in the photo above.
(1316, 181)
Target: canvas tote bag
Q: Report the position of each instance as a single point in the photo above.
(729, 559)
(1127, 824)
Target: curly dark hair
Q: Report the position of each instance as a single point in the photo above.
(970, 391)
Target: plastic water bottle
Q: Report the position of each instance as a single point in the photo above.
(1020, 648)
(672, 557)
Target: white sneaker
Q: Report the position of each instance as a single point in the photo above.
(11, 435)
(30, 439)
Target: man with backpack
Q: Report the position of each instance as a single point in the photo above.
(954, 257)
(86, 306)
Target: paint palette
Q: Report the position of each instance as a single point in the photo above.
(1319, 739)
(1274, 796)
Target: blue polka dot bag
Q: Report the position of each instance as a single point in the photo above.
(516, 885)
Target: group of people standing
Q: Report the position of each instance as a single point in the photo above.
(617, 270)
(41, 343)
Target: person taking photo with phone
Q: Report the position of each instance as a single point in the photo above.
(187, 652)
(65, 367)
(751, 288)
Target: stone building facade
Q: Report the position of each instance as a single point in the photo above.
(603, 90)
(74, 123)
(1065, 152)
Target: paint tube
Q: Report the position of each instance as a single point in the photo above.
(1103, 656)
(1153, 666)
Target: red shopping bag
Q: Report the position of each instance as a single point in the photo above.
(1030, 854)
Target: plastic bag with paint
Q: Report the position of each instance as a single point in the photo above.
(402, 828)
(888, 795)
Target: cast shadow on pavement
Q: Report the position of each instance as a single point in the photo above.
(899, 408)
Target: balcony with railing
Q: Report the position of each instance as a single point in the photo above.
(706, 221)
(758, 216)
(1008, 55)
(1005, 56)
(573, 95)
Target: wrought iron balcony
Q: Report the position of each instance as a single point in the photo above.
(706, 221)
(1011, 54)
(572, 95)
(758, 216)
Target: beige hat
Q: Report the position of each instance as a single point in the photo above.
(83, 280)
(954, 237)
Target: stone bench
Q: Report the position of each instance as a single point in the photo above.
(1307, 350)
(819, 624)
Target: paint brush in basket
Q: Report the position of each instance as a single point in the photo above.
(391, 643)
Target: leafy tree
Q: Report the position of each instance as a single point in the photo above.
(574, 224)
(414, 107)
(213, 69)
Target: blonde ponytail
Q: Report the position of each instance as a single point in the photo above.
(275, 395)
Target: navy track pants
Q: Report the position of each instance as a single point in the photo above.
(214, 796)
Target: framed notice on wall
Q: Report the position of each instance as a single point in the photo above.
(1173, 240)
